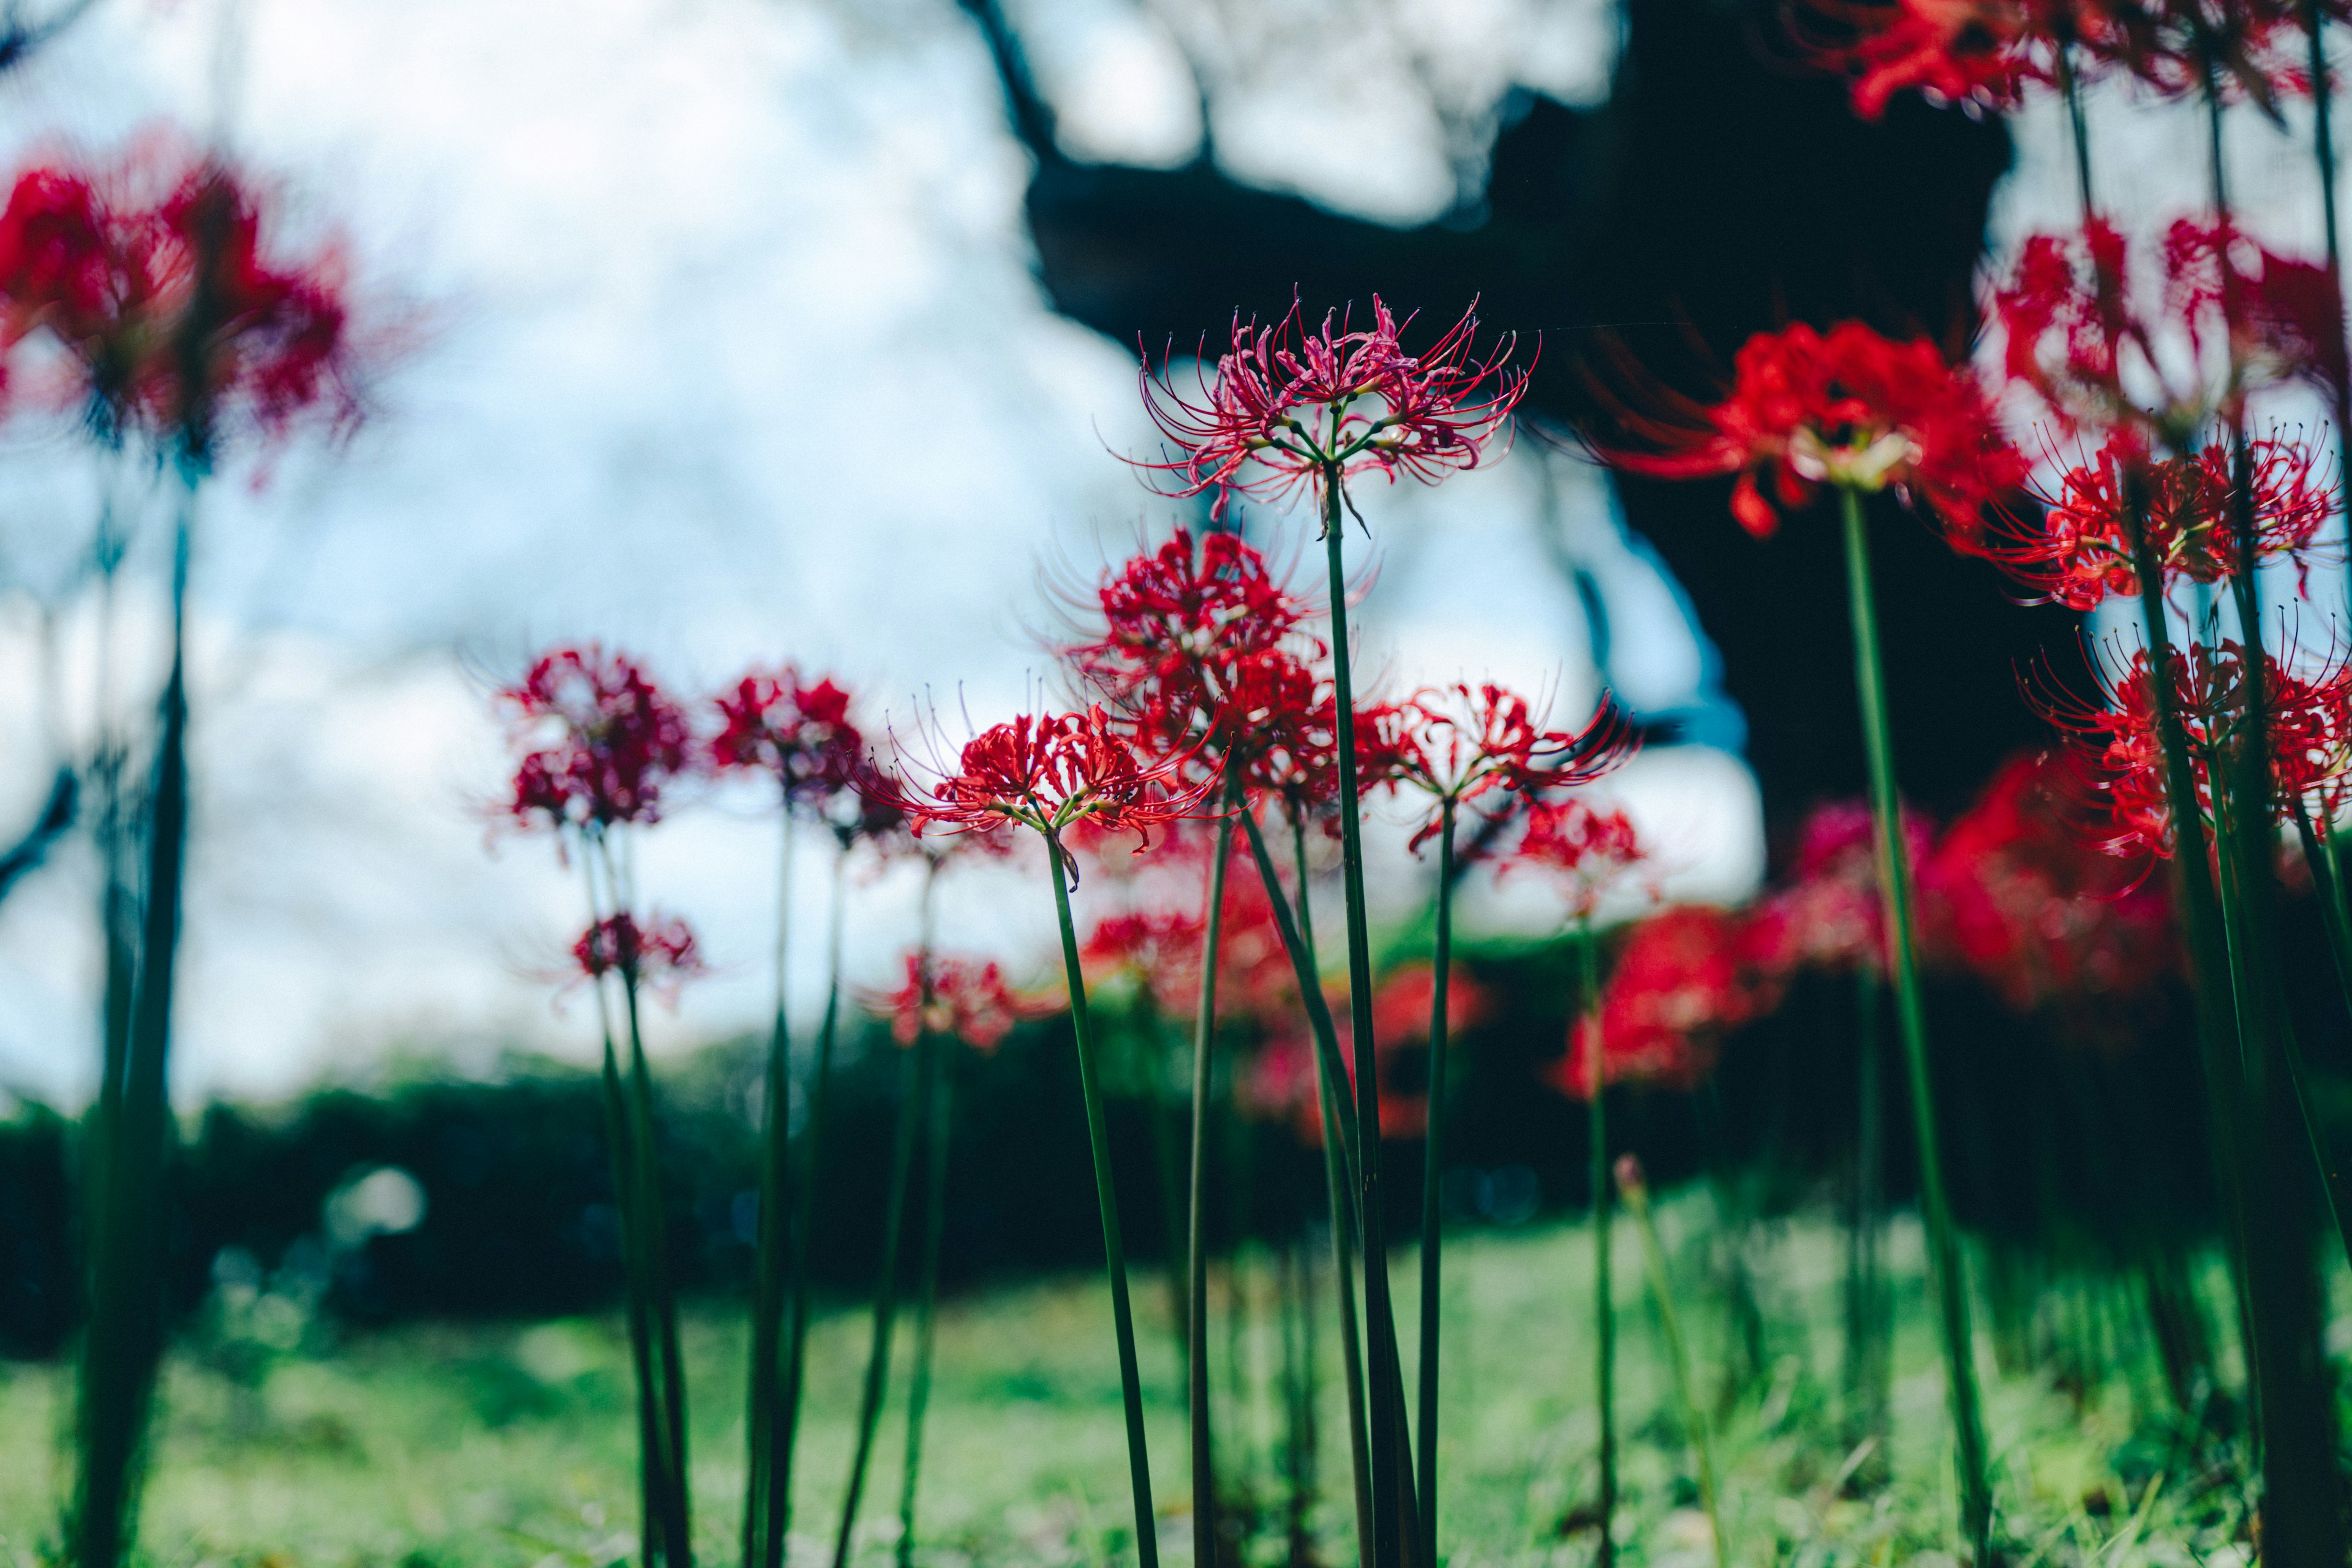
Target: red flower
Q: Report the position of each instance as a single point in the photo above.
(2078, 551)
(2229, 316)
(1056, 772)
(660, 956)
(1829, 915)
(599, 740)
(167, 306)
(961, 998)
(1286, 404)
(1677, 987)
(1463, 745)
(1588, 852)
(2116, 746)
(1401, 1017)
(1852, 410)
(2043, 918)
(1175, 617)
(1157, 941)
(1980, 53)
(800, 734)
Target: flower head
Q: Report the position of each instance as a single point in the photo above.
(774, 722)
(1848, 409)
(956, 998)
(1588, 852)
(1677, 988)
(660, 955)
(599, 740)
(1057, 771)
(1483, 748)
(1829, 915)
(1290, 408)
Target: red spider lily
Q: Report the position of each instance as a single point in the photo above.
(2043, 918)
(958, 998)
(1850, 408)
(2115, 744)
(1052, 771)
(774, 723)
(1678, 987)
(1463, 745)
(1829, 916)
(2229, 316)
(1400, 1009)
(169, 314)
(660, 955)
(2079, 552)
(1586, 851)
(1288, 408)
(1176, 618)
(1155, 942)
(599, 740)
(1980, 53)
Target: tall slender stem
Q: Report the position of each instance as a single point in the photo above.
(677, 1527)
(914, 1094)
(1390, 1507)
(1138, 1462)
(764, 1489)
(804, 1192)
(1662, 1295)
(1945, 1264)
(1196, 1249)
(1604, 1306)
(1867, 1359)
(938, 1123)
(1433, 1170)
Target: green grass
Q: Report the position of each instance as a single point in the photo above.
(496, 1445)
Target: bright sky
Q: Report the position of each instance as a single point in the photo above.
(731, 351)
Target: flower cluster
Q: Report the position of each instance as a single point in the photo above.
(774, 723)
(1483, 748)
(1057, 771)
(1829, 915)
(948, 997)
(1677, 988)
(1587, 851)
(1847, 408)
(659, 952)
(1289, 408)
(2079, 549)
(154, 281)
(599, 740)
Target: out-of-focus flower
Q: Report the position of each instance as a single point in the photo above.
(958, 998)
(599, 740)
(1829, 915)
(1586, 851)
(155, 280)
(1678, 987)
(1978, 53)
(2043, 918)
(1401, 1005)
(773, 721)
(1848, 409)
(659, 954)
(1482, 748)
(2227, 317)
(1286, 404)
(2078, 551)
(1055, 771)
(2116, 746)
(1154, 941)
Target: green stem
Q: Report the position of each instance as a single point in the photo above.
(1303, 969)
(1138, 1461)
(938, 1123)
(1391, 1507)
(1945, 1265)
(2340, 943)
(1604, 1309)
(914, 1094)
(763, 1506)
(1662, 1295)
(1866, 1360)
(803, 1227)
(677, 1529)
(1196, 1249)
(1433, 1167)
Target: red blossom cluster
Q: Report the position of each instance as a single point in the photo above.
(1678, 987)
(2079, 551)
(1587, 851)
(1827, 914)
(659, 952)
(1984, 53)
(1289, 408)
(2021, 901)
(155, 282)
(950, 997)
(599, 740)
(1057, 771)
(2081, 332)
(1281, 1079)
(2114, 740)
(1848, 409)
(774, 723)
(1156, 937)
(1466, 745)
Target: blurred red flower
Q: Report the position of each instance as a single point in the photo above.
(774, 723)
(1829, 915)
(1678, 987)
(1285, 403)
(958, 998)
(1466, 744)
(660, 955)
(599, 740)
(1586, 851)
(1850, 408)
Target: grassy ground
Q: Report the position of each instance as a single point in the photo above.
(489, 1446)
